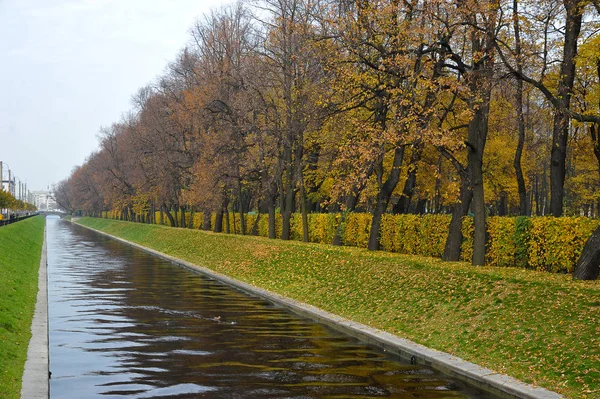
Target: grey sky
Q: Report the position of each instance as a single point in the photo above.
(71, 66)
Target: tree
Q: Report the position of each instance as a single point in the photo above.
(557, 87)
(588, 265)
(477, 68)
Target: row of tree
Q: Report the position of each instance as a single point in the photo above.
(487, 106)
(8, 201)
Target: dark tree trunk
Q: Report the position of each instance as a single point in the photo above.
(206, 220)
(182, 224)
(519, 152)
(560, 131)
(169, 216)
(272, 225)
(241, 203)
(480, 83)
(588, 265)
(520, 116)
(219, 221)
(438, 186)
(383, 197)
(477, 138)
(254, 228)
(403, 204)
(227, 223)
(420, 207)
(595, 135)
(558, 163)
(288, 199)
(461, 209)
(503, 204)
(303, 209)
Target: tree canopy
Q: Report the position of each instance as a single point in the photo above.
(485, 107)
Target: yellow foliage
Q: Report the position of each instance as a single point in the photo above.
(466, 249)
(542, 243)
(556, 243)
(358, 227)
(501, 245)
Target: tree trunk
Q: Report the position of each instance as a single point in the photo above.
(520, 116)
(219, 221)
(420, 207)
(254, 229)
(206, 220)
(403, 204)
(477, 138)
(288, 202)
(303, 209)
(519, 152)
(272, 226)
(461, 209)
(227, 223)
(383, 197)
(503, 204)
(560, 131)
(558, 162)
(350, 205)
(588, 265)
(241, 203)
(169, 216)
(183, 223)
(234, 223)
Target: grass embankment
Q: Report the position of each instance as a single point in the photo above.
(540, 328)
(20, 252)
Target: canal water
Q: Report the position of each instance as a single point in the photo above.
(125, 324)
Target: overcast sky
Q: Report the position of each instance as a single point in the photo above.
(69, 67)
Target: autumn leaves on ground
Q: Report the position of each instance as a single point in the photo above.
(537, 327)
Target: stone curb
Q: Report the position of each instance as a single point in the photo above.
(35, 382)
(477, 376)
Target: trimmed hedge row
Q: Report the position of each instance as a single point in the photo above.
(541, 243)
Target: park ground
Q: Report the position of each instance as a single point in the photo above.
(20, 253)
(538, 327)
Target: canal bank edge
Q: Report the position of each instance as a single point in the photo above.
(453, 366)
(35, 382)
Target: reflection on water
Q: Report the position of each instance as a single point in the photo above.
(126, 324)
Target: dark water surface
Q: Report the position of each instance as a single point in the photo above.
(124, 324)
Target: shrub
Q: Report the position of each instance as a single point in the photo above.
(358, 226)
(322, 227)
(466, 249)
(556, 243)
(431, 233)
(501, 241)
(541, 243)
(522, 237)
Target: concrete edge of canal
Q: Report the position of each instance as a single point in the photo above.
(474, 375)
(35, 382)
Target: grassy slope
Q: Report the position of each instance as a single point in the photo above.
(540, 328)
(20, 252)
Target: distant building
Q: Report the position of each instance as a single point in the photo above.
(44, 200)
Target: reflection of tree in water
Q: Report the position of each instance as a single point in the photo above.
(172, 332)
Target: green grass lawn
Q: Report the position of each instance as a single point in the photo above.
(537, 327)
(20, 252)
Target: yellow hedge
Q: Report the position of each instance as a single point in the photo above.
(556, 243)
(466, 249)
(357, 229)
(541, 243)
(501, 245)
